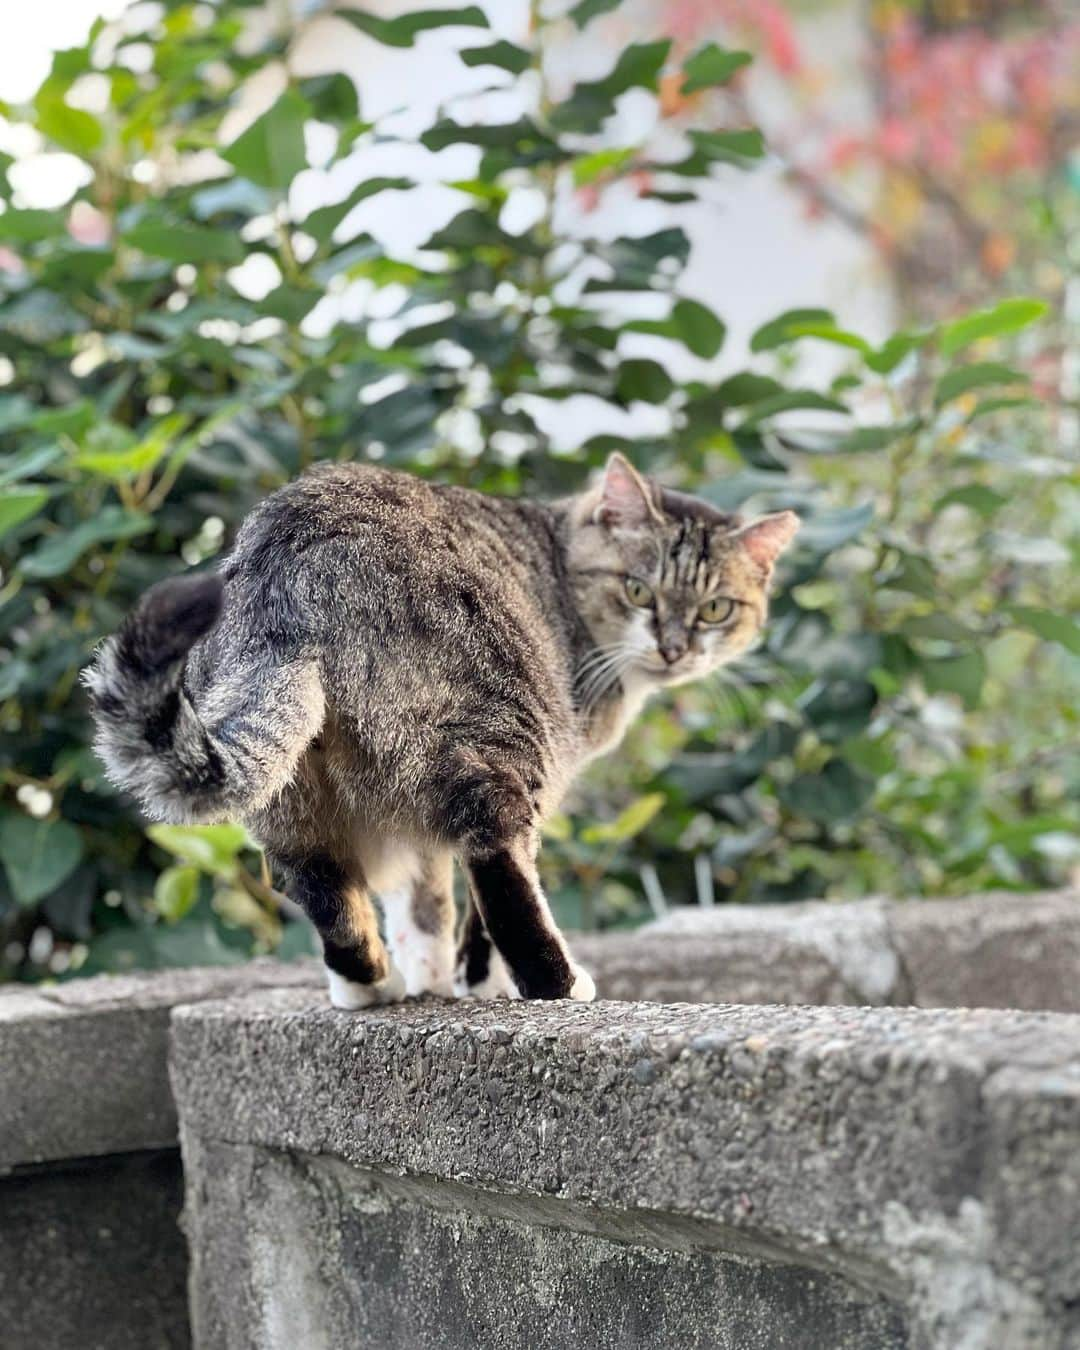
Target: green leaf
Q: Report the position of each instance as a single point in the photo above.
(729, 147)
(788, 326)
(505, 55)
(982, 500)
(1008, 316)
(746, 387)
(588, 168)
(271, 152)
(986, 406)
(37, 854)
(29, 226)
(13, 672)
(175, 892)
(186, 243)
(213, 848)
(627, 824)
(644, 380)
(691, 323)
(120, 460)
(888, 356)
(332, 98)
(1047, 624)
(18, 504)
(586, 10)
(61, 551)
(700, 329)
(827, 530)
(962, 675)
(831, 797)
(324, 220)
(839, 708)
(711, 65)
(29, 462)
(402, 31)
(638, 67)
(71, 128)
(977, 376)
(790, 400)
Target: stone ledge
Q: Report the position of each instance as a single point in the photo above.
(934, 1156)
(83, 1064)
(1000, 950)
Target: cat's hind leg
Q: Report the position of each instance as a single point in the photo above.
(480, 972)
(359, 970)
(516, 916)
(419, 920)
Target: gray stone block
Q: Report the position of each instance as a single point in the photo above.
(92, 1258)
(928, 1160)
(298, 1251)
(82, 1065)
(1002, 950)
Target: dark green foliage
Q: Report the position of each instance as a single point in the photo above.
(148, 404)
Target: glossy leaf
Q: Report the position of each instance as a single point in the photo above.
(271, 151)
(504, 55)
(712, 65)
(1047, 624)
(61, 551)
(404, 30)
(186, 243)
(38, 855)
(965, 378)
(587, 10)
(18, 504)
(1007, 316)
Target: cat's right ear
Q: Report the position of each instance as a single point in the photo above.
(625, 499)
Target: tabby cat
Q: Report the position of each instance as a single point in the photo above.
(388, 675)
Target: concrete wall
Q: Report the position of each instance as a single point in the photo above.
(627, 1174)
(526, 1175)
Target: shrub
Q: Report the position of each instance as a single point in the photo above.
(904, 726)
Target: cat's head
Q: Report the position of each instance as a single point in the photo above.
(669, 587)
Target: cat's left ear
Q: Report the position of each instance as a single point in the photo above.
(767, 537)
(625, 498)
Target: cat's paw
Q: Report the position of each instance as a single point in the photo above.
(495, 984)
(583, 989)
(351, 996)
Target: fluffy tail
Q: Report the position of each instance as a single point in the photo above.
(219, 760)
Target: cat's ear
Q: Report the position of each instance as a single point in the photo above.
(766, 538)
(625, 499)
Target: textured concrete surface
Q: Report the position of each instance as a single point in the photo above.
(82, 1065)
(92, 1258)
(1003, 950)
(298, 1251)
(930, 1159)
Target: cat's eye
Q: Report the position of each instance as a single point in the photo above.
(638, 593)
(717, 610)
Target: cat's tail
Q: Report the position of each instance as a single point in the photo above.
(221, 758)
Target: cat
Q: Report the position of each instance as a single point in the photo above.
(387, 675)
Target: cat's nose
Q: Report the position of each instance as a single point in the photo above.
(672, 651)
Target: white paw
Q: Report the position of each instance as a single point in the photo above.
(583, 989)
(426, 970)
(350, 995)
(495, 984)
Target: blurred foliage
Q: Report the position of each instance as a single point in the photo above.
(959, 167)
(909, 724)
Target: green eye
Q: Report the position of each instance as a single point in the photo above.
(638, 593)
(716, 610)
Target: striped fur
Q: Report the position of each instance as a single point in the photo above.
(385, 675)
